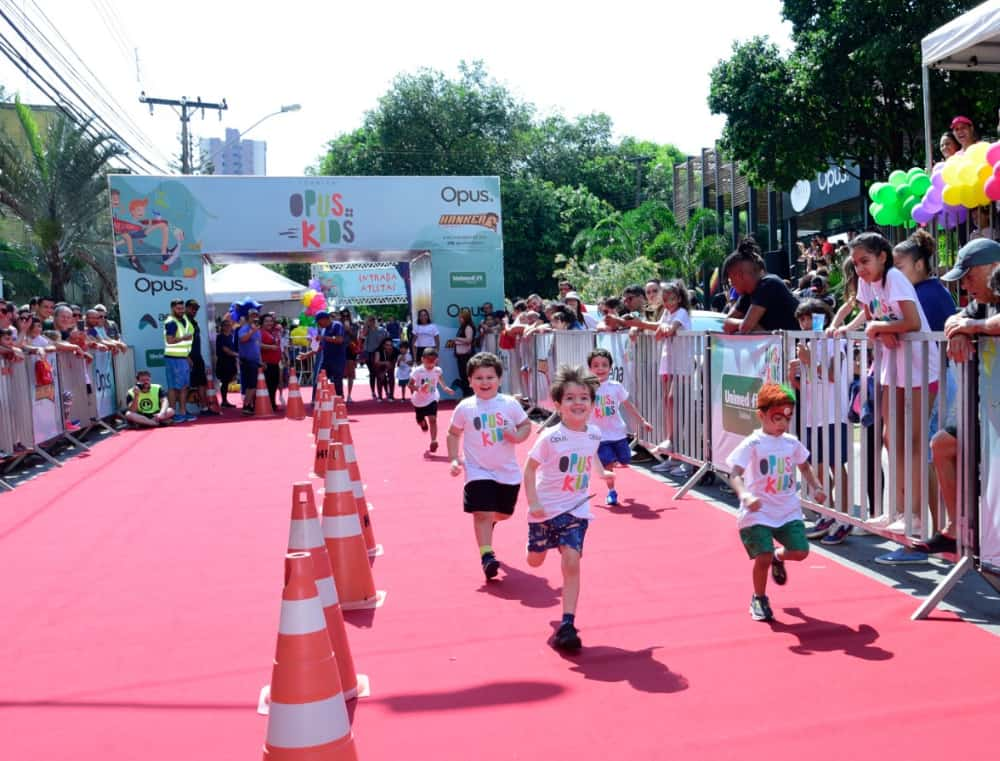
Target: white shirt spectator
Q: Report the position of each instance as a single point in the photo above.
(423, 335)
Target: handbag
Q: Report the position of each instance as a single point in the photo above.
(506, 341)
(43, 373)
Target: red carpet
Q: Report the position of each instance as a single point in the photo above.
(141, 588)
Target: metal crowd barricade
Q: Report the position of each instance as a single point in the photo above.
(17, 436)
(647, 391)
(687, 366)
(123, 365)
(80, 405)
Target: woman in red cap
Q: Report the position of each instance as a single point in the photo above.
(965, 131)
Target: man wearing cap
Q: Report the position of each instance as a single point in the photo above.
(248, 338)
(177, 336)
(976, 262)
(965, 131)
(334, 350)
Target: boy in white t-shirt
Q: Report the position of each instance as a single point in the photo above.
(492, 423)
(763, 477)
(611, 399)
(556, 483)
(424, 383)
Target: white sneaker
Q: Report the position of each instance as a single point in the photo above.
(898, 526)
(882, 521)
(682, 471)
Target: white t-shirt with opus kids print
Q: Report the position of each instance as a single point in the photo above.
(565, 464)
(769, 464)
(426, 385)
(486, 432)
(883, 303)
(607, 410)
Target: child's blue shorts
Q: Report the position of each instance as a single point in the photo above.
(614, 451)
(564, 530)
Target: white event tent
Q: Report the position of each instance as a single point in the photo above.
(236, 282)
(970, 42)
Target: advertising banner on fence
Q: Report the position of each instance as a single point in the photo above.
(47, 404)
(448, 228)
(103, 378)
(359, 286)
(740, 366)
(989, 416)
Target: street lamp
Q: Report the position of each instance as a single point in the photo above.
(283, 110)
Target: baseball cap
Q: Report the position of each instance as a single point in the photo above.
(321, 315)
(572, 295)
(961, 120)
(972, 254)
(100, 308)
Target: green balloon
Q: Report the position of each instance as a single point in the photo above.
(908, 206)
(903, 194)
(874, 190)
(886, 194)
(897, 178)
(920, 185)
(914, 173)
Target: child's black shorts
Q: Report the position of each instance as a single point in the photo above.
(431, 410)
(486, 495)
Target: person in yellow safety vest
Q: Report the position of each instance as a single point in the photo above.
(147, 403)
(178, 335)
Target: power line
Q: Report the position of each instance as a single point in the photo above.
(185, 106)
(113, 107)
(60, 97)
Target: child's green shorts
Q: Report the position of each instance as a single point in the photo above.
(760, 539)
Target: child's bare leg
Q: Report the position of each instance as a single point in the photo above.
(609, 476)
(497, 517)
(668, 410)
(761, 568)
(571, 578)
(432, 421)
(783, 553)
(535, 559)
(482, 524)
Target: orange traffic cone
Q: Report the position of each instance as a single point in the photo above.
(212, 402)
(344, 542)
(307, 719)
(294, 408)
(343, 435)
(317, 405)
(262, 402)
(323, 438)
(306, 535)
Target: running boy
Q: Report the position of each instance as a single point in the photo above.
(769, 505)
(492, 423)
(556, 482)
(424, 382)
(612, 398)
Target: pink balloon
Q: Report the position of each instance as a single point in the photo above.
(993, 154)
(992, 188)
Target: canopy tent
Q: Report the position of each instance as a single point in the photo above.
(236, 282)
(970, 42)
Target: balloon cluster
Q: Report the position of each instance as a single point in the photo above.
(314, 302)
(893, 202)
(964, 175)
(934, 204)
(992, 186)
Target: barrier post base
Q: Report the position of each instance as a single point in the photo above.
(374, 602)
(935, 598)
(693, 481)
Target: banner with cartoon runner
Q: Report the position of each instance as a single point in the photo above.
(448, 230)
(740, 366)
(989, 415)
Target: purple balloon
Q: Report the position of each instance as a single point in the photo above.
(921, 215)
(937, 181)
(315, 284)
(953, 216)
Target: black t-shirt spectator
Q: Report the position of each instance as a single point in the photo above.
(778, 302)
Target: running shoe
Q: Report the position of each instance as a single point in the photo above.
(612, 498)
(898, 526)
(760, 608)
(837, 535)
(778, 572)
(434, 446)
(491, 566)
(937, 543)
(663, 467)
(902, 556)
(567, 638)
(820, 528)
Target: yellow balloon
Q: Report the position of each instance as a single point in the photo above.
(300, 336)
(950, 171)
(952, 195)
(970, 197)
(308, 296)
(967, 173)
(985, 172)
(977, 152)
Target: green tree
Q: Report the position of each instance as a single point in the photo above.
(606, 277)
(428, 124)
(849, 90)
(58, 189)
(689, 252)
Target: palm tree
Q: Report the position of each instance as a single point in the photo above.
(58, 189)
(687, 252)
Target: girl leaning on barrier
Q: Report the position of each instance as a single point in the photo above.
(890, 308)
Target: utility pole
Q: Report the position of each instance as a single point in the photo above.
(186, 108)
